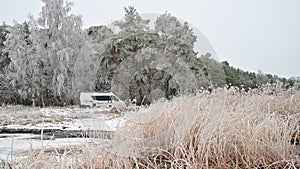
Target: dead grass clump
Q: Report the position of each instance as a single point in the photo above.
(86, 155)
(227, 129)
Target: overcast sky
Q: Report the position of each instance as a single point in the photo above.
(249, 34)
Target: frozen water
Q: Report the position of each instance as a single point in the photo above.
(17, 145)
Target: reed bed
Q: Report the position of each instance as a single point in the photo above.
(228, 128)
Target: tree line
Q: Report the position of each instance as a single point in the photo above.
(48, 60)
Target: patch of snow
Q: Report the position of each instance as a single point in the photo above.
(51, 111)
(114, 124)
(73, 119)
(14, 144)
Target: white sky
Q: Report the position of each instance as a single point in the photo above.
(249, 34)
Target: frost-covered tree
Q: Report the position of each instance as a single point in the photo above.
(138, 65)
(201, 74)
(214, 69)
(100, 33)
(58, 39)
(101, 38)
(176, 37)
(133, 24)
(86, 68)
(142, 75)
(4, 59)
(134, 35)
(177, 43)
(7, 92)
(22, 70)
(153, 64)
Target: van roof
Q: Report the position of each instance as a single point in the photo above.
(99, 93)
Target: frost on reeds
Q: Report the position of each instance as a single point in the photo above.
(228, 128)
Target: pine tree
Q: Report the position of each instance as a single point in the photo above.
(7, 92)
(101, 38)
(4, 59)
(177, 43)
(153, 63)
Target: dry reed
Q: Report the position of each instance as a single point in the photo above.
(228, 128)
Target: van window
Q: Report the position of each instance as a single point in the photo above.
(101, 98)
(114, 98)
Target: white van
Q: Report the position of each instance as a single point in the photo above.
(100, 99)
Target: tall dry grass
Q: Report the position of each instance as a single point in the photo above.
(228, 128)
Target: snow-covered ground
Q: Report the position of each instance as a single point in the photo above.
(66, 119)
(17, 145)
(60, 118)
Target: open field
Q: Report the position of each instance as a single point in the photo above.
(228, 128)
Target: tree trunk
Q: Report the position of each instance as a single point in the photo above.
(43, 103)
(33, 100)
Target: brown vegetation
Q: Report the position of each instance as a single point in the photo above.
(228, 128)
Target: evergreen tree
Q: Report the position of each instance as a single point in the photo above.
(22, 70)
(8, 94)
(101, 38)
(152, 63)
(214, 70)
(4, 59)
(177, 43)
